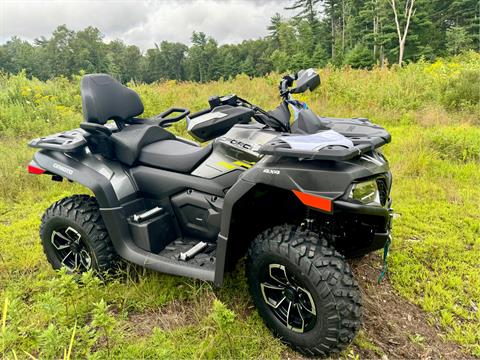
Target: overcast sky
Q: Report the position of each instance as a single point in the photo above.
(142, 23)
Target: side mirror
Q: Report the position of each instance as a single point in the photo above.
(306, 80)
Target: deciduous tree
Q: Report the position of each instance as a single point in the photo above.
(402, 26)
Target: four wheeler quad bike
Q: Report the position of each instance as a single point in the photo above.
(297, 198)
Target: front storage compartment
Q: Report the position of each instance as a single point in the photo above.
(152, 232)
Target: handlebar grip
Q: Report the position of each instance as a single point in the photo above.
(286, 82)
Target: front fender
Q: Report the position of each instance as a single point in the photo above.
(316, 184)
(328, 179)
(236, 192)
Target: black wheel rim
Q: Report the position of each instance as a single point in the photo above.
(288, 299)
(71, 250)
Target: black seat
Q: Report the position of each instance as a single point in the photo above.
(104, 98)
(173, 155)
(132, 138)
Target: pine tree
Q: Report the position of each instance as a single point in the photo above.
(307, 10)
(274, 29)
(457, 40)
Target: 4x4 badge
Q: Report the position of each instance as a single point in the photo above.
(271, 171)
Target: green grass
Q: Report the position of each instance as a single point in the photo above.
(362, 341)
(434, 260)
(140, 314)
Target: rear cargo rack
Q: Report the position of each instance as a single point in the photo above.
(362, 145)
(67, 141)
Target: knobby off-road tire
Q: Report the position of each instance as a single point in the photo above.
(74, 224)
(326, 303)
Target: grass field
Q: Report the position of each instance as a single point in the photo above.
(432, 112)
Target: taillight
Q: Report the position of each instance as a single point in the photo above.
(35, 170)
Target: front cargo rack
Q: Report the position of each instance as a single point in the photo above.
(67, 141)
(361, 145)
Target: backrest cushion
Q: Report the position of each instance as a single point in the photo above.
(104, 98)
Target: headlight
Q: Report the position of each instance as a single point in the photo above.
(366, 192)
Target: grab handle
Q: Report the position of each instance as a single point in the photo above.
(166, 121)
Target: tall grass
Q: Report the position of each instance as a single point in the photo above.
(434, 263)
(31, 107)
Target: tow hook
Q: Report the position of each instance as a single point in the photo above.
(307, 224)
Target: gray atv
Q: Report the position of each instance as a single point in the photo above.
(294, 192)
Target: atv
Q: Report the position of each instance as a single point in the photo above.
(296, 193)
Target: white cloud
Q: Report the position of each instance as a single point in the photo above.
(142, 23)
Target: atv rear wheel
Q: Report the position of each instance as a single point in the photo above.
(74, 236)
(304, 290)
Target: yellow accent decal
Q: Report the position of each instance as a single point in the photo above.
(235, 164)
(243, 164)
(226, 165)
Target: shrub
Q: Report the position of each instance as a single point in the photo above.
(360, 57)
(460, 143)
(462, 91)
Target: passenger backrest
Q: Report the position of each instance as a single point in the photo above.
(104, 98)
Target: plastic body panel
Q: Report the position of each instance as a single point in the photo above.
(364, 135)
(158, 184)
(118, 230)
(237, 150)
(329, 179)
(107, 179)
(198, 214)
(234, 194)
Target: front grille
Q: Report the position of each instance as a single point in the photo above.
(382, 190)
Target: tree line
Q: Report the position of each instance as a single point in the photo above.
(359, 33)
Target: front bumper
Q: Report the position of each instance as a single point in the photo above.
(372, 226)
(345, 206)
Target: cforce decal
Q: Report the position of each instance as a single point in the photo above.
(63, 168)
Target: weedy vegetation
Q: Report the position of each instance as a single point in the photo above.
(432, 111)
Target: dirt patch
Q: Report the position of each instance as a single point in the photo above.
(396, 328)
(171, 316)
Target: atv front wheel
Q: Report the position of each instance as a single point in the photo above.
(74, 236)
(304, 290)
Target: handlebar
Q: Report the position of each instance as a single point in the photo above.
(199, 113)
(165, 120)
(286, 82)
(214, 101)
(234, 100)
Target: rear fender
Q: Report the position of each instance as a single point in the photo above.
(112, 187)
(107, 180)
